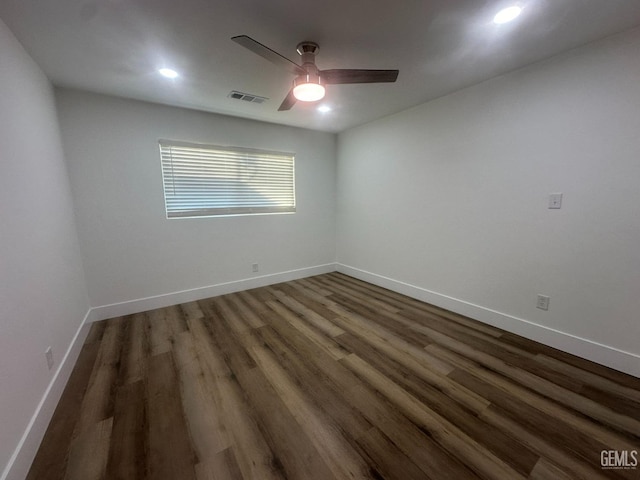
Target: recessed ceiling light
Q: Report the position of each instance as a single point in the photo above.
(167, 72)
(507, 14)
(324, 108)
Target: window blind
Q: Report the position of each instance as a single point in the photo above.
(204, 180)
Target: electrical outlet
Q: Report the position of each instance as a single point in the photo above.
(48, 353)
(255, 267)
(543, 302)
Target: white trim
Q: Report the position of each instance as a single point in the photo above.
(22, 458)
(174, 298)
(596, 352)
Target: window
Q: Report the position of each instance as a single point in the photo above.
(204, 180)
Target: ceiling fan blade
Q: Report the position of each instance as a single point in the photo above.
(288, 102)
(341, 76)
(268, 54)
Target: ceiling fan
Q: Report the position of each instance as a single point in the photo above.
(308, 86)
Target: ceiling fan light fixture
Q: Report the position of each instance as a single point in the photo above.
(309, 83)
(308, 88)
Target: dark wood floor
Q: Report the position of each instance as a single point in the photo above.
(330, 377)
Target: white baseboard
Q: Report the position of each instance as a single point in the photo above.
(20, 462)
(184, 296)
(626, 362)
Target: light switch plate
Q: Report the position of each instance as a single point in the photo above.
(555, 200)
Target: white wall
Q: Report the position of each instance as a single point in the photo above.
(132, 251)
(450, 199)
(43, 299)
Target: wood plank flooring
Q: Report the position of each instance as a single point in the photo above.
(331, 378)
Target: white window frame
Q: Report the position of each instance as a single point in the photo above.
(202, 180)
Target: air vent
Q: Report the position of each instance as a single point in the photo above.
(247, 97)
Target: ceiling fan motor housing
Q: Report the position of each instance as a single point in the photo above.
(310, 77)
(308, 52)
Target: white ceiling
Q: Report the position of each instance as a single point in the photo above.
(116, 46)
